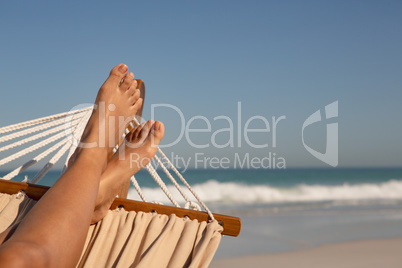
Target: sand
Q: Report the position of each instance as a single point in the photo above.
(385, 253)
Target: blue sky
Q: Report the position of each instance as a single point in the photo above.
(278, 58)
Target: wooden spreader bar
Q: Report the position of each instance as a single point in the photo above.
(231, 225)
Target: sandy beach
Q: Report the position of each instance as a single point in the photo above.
(367, 254)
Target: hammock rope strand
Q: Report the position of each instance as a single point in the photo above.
(74, 124)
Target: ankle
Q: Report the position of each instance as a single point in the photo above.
(91, 158)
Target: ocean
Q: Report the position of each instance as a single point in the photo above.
(291, 209)
(245, 190)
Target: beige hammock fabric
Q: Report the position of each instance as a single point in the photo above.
(131, 239)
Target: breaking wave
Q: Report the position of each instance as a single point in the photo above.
(238, 193)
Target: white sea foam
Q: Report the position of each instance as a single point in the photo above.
(236, 193)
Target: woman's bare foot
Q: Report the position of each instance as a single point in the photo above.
(117, 102)
(136, 152)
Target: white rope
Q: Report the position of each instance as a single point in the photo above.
(32, 148)
(32, 130)
(161, 184)
(138, 188)
(175, 183)
(192, 205)
(78, 125)
(51, 163)
(18, 126)
(37, 136)
(187, 185)
(23, 167)
(171, 178)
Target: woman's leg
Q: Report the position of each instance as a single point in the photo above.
(53, 233)
(137, 151)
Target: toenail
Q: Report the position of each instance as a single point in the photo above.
(123, 68)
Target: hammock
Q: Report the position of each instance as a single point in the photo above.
(133, 233)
